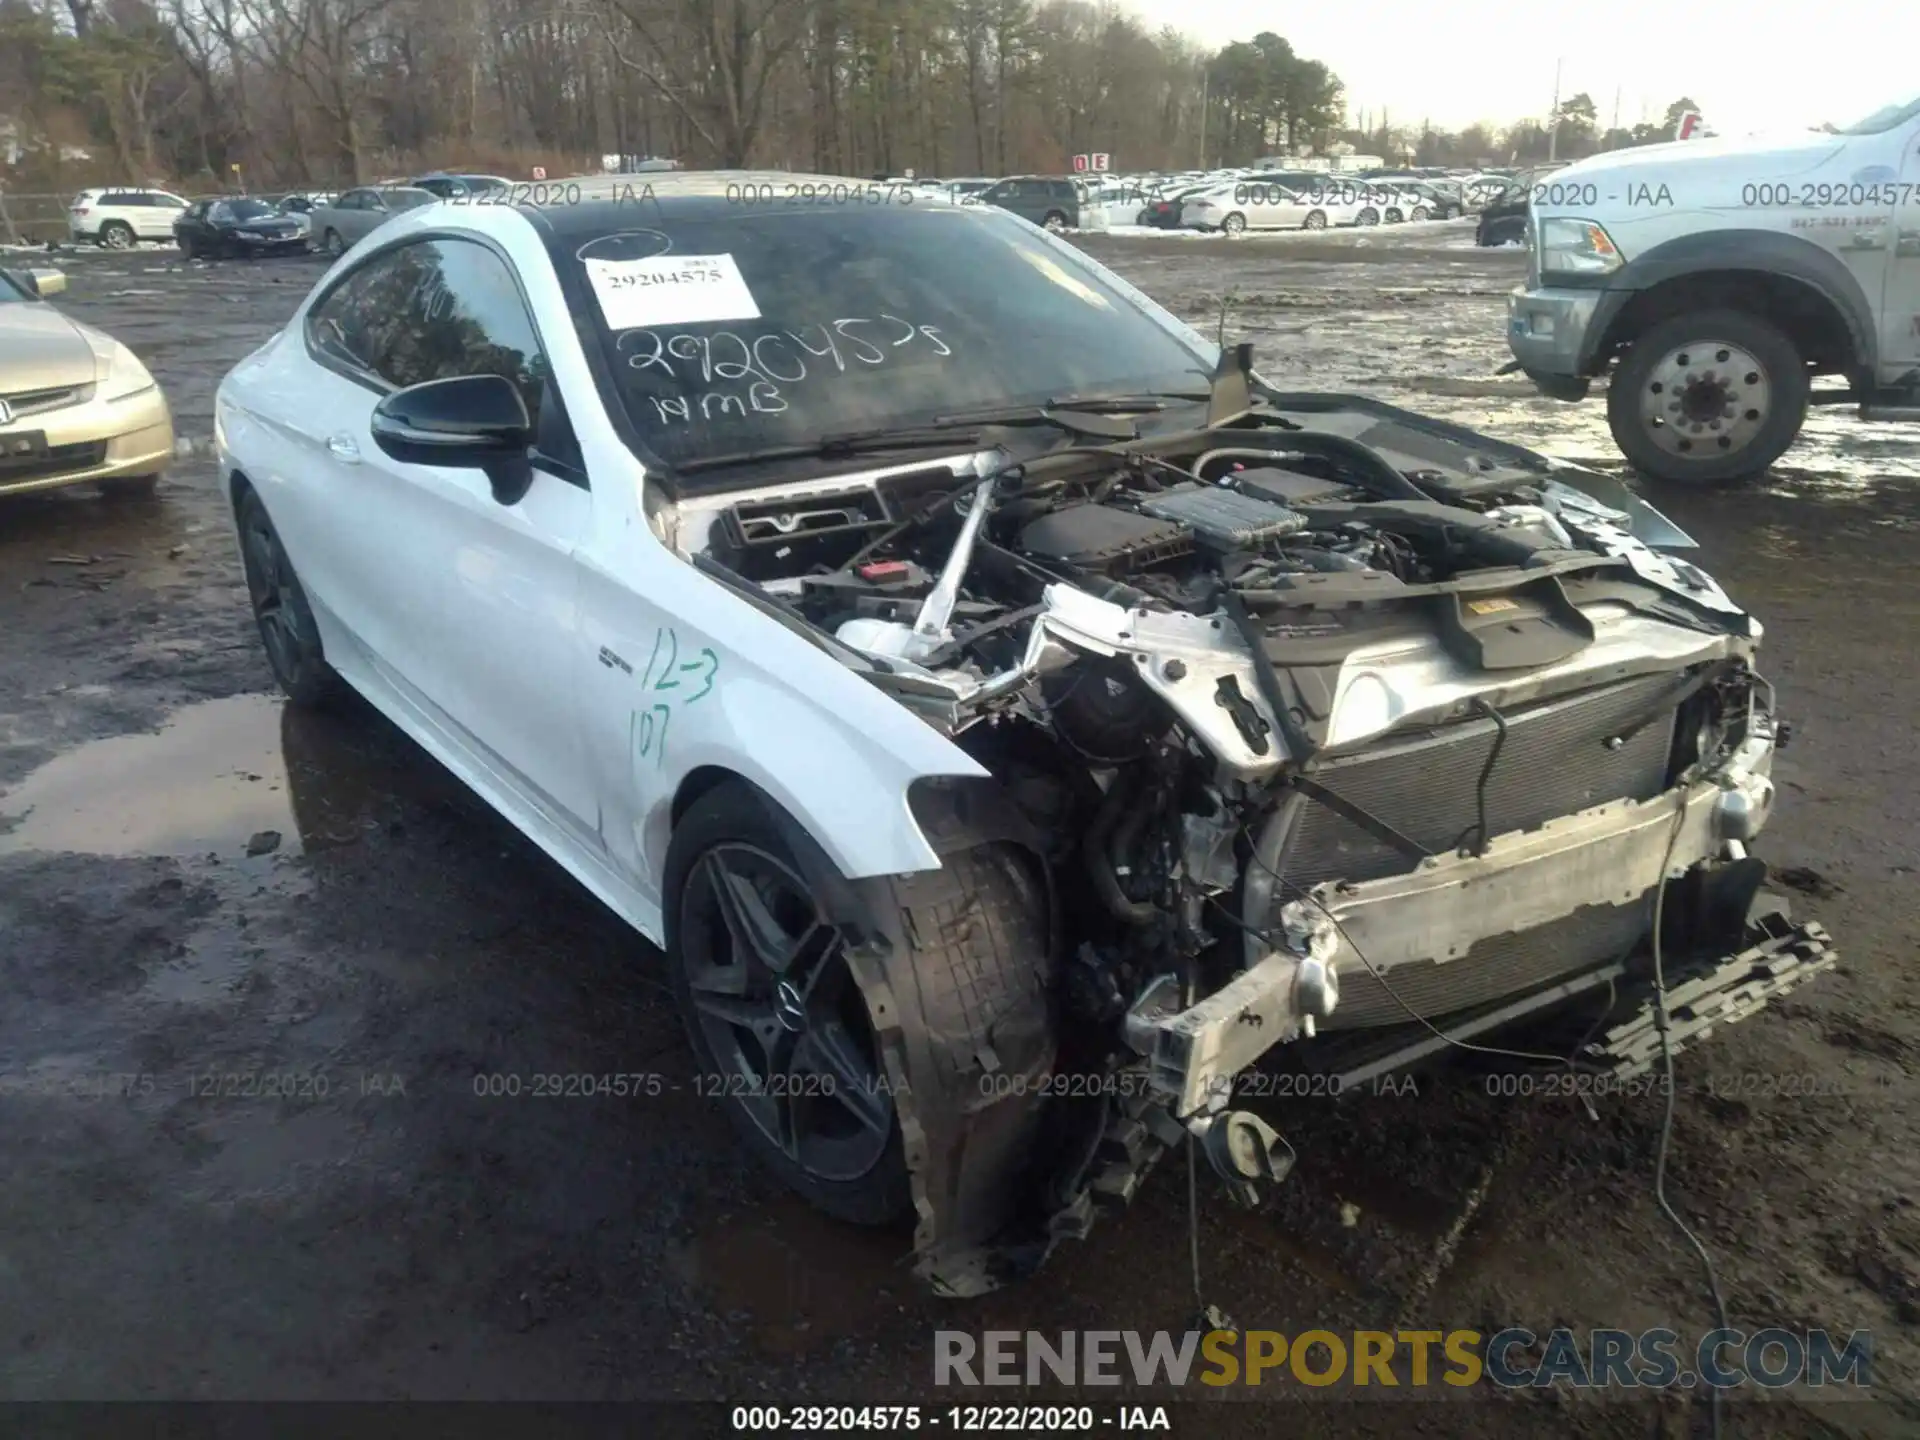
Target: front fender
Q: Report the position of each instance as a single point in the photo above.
(1726, 251)
(846, 785)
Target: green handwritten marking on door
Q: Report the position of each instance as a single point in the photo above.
(673, 678)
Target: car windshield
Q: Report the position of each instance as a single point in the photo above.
(1883, 119)
(247, 209)
(817, 323)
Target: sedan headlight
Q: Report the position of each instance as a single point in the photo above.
(1576, 247)
(122, 376)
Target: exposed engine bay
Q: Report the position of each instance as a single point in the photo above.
(1324, 728)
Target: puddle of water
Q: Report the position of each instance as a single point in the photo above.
(209, 780)
(794, 1279)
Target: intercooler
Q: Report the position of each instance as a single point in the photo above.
(1558, 757)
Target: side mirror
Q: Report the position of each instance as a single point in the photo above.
(477, 421)
(47, 282)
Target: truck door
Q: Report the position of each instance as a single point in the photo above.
(1900, 309)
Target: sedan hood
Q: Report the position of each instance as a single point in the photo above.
(41, 349)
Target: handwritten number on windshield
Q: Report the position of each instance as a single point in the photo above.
(696, 364)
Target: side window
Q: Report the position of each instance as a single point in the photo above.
(430, 311)
(116, 197)
(1064, 190)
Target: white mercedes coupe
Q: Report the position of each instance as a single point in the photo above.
(1018, 723)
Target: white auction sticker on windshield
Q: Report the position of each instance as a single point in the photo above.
(670, 290)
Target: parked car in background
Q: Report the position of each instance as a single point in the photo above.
(238, 225)
(1443, 201)
(1253, 205)
(337, 226)
(76, 405)
(120, 218)
(1046, 200)
(1166, 212)
(460, 187)
(1504, 221)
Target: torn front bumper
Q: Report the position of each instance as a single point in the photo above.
(1608, 855)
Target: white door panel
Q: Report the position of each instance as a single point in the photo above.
(1900, 311)
(505, 596)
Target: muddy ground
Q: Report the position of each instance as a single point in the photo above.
(196, 883)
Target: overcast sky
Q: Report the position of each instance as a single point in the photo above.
(1465, 60)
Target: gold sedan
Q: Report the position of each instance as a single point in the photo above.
(75, 404)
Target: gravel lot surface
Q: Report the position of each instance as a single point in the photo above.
(196, 883)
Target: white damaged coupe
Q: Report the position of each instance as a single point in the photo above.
(1020, 724)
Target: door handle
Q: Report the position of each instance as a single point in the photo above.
(343, 447)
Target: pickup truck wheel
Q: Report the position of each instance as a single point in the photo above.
(1708, 397)
(280, 608)
(780, 1031)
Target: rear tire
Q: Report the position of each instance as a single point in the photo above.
(280, 609)
(334, 246)
(1367, 216)
(1707, 398)
(117, 235)
(1055, 221)
(1316, 220)
(1234, 224)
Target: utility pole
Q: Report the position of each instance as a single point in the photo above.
(1614, 126)
(1553, 116)
(1204, 78)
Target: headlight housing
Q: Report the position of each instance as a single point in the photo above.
(1576, 247)
(121, 375)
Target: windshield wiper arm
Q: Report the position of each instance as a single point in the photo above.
(836, 447)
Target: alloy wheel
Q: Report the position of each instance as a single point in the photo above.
(269, 584)
(781, 1012)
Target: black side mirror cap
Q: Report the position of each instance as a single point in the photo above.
(477, 421)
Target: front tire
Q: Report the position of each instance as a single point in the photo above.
(779, 1027)
(1368, 216)
(1394, 217)
(1420, 212)
(280, 609)
(1710, 397)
